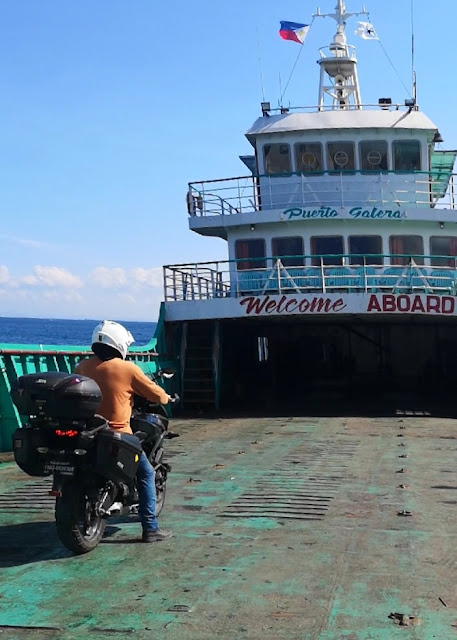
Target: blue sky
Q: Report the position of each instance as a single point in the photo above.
(110, 108)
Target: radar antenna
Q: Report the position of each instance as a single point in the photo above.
(339, 63)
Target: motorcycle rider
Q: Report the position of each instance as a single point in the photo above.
(119, 380)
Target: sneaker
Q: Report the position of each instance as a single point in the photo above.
(156, 536)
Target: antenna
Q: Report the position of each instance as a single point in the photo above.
(413, 70)
(341, 64)
(260, 65)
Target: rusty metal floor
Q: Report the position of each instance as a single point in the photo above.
(305, 529)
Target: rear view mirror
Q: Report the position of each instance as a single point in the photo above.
(167, 373)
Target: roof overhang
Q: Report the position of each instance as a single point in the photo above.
(339, 119)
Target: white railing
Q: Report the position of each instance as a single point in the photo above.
(249, 194)
(346, 272)
(372, 106)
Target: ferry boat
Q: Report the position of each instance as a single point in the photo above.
(341, 266)
(340, 278)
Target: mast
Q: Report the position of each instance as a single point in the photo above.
(338, 63)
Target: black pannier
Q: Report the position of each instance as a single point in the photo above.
(151, 424)
(56, 394)
(26, 442)
(118, 455)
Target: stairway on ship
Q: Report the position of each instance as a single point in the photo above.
(200, 365)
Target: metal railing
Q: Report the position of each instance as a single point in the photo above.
(386, 189)
(350, 273)
(373, 106)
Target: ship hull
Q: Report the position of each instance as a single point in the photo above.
(269, 364)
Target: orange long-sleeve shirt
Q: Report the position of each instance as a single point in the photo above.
(119, 380)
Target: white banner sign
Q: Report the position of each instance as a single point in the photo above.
(312, 305)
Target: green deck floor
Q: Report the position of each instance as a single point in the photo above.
(264, 578)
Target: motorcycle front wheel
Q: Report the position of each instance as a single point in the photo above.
(161, 489)
(79, 528)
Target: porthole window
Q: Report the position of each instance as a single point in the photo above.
(308, 157)
(373, 155)
(340, 156)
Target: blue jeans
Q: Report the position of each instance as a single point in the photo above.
(145, 478)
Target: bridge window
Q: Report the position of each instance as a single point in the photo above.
(340, 156)
(277, 158)
(407, 155)
(373, 155)
(250, 253)
(289, 250)
(364, 247)
(409, 247)
(328, 246)
(443, 246)
(308, 157)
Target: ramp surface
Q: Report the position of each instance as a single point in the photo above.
(284, 528)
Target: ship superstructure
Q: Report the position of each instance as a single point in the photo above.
(342, 237)
(341, 273)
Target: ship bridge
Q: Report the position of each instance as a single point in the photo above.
(388, 157)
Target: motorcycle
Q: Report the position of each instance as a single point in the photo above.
(93, 467)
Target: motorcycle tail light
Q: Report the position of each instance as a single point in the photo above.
(68, 433)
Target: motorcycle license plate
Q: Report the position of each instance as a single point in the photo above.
(64, 467)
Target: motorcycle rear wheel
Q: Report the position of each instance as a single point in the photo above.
(78, 527)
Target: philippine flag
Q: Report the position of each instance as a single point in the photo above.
(294, 31)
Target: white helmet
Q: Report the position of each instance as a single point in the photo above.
(114, 335)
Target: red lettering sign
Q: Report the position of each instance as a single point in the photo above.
(373, 303)
(433, 304)
(256, 305)
(417, 305)
(404, 303)
(388, 303)
(447, 304)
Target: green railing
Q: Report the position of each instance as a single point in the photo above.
(351, 273)
(20, 359)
